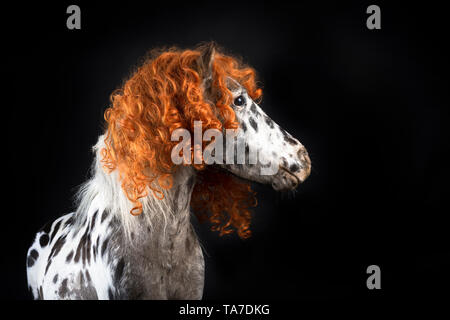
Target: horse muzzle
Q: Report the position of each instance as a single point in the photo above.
(287, 179)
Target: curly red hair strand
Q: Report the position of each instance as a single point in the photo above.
(164, 94)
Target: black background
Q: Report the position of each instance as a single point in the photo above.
(371, 106)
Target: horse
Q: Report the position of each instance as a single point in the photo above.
(131, 236)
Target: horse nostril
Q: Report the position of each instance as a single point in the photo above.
(294, 167)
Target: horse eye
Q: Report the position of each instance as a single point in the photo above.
(239, 101)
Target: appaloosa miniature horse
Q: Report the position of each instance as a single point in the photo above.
(101, 251)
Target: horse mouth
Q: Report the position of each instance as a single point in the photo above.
(287, 180)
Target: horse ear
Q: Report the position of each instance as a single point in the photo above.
(207, 58)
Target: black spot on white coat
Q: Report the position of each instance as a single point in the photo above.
(44, 239)
(55, 230)
(253, 109)
(269, 122)
(32, 257)
(104, 216)
(69, 257)
(288, 138)
(63, 289)
(243, 126)
(253, 123)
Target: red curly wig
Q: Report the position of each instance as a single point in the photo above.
(166, 93)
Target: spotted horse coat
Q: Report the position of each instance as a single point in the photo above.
(89, 255)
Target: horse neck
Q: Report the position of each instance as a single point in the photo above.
(169, 217)
(161, 220)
